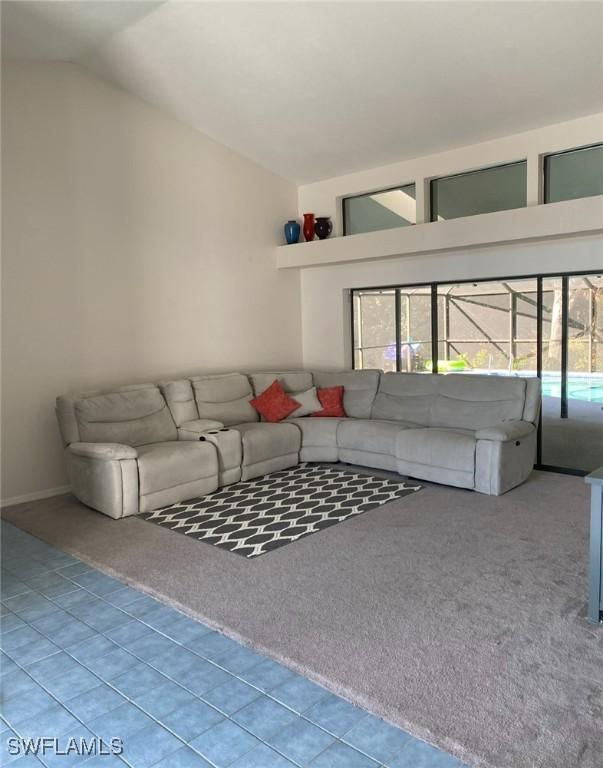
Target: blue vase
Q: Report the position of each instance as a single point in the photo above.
(292, 231)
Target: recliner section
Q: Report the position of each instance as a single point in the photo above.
(172, 471)
(123, 453)
(470, 431)
(138, 448)
(432, 453)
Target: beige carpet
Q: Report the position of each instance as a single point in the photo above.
(455, 615)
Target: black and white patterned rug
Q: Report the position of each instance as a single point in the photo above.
(257, 516)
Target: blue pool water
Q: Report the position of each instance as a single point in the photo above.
(588, 388)
(579, 386)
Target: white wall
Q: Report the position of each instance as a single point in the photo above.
(325, 295)
(134, 248)
(325, 309)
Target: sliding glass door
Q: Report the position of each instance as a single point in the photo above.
(548, 326)
(572, 372)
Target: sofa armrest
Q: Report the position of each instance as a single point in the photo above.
(192, 430)
(105, 477)
(505, 431)
(103, 451)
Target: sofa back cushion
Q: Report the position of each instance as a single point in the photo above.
(290, 381)
(408, 397)
(180, 399)
(224, 397)
(475, 402)
(360, 388)
(459, 401)
(135, 415)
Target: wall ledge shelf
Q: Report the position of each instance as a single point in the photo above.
(569, 218)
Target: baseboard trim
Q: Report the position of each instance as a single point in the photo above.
(35, 496)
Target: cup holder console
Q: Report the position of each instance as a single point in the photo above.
(228, 446)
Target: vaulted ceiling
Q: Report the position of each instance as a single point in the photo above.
(317, 89)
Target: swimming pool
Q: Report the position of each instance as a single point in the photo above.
(580, 386)
(588, 388)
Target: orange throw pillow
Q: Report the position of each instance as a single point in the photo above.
(274, 404)
(331, 399)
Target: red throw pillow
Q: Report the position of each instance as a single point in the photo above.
(331, 399)
(274, 404)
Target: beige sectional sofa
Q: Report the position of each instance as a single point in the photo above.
(138, 448)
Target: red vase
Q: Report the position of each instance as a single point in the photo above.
(309, 226)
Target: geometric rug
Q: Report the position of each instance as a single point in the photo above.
(253, 517)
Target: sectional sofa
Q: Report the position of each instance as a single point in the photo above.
(138, 448)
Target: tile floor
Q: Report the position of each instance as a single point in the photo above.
(83, 655)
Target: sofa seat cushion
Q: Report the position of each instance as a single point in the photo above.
(447, 448)
(369, 435)
(318, 431)
(263, 441)
(165, 465)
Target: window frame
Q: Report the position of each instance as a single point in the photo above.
(546, 172)
(506, 164)
(344, 221)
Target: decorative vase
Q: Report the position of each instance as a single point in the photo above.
(292, 230)
(309, 226)
(323, 227)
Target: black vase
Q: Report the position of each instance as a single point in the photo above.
(323, 227)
